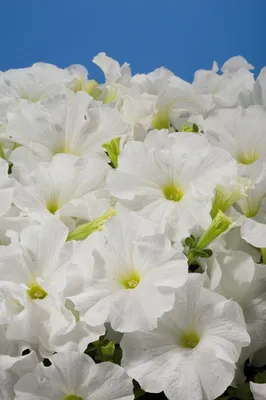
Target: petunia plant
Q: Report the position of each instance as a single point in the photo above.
(132, 233)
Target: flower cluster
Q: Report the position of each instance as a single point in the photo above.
(132, 233)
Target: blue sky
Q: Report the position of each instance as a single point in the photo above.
(180, 35)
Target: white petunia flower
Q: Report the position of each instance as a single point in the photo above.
(112, 195)
(38, 82)
(32, 279)
(259, 90)
(112, 71)
(252, 204)
(234, 242)
(153, 82)
(137, 110)
(236, 63)
(74, 125)
(7, 101)
(258, 390)
(170, 179)
(13, 364)
(240, 132)
(117, 79)
(66, 187)
(7, 186)
(80, 81)
(225, 88)
(193, 351)
(135, 273)
(12, 221)
(74, 376)
(175, 100)
(244, 281)
(11, 370)
(254, 233)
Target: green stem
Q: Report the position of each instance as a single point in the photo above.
(263, 254)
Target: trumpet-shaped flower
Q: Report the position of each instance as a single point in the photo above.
(240, 132)
(112, 71)
(167, 181)
(258, 390)
(38, 82)
(75, 126)
(244, 281)
(7, 186)
(254, 233)
(194, 345)
(32, 279)
(252, 203)
(135, 274)
(225, 88)
(11, 370)
(74, 376)
(13, 364)
(117, 79)
(133, 225)
(178, 98)
(259, 89)
(64, 187)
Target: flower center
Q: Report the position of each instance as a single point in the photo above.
(53, 205)
(161, 120)
(172, 193)
(132, 284)
(72, 397)
(248, 158)
(65, 150)
(36, 292)
(130, 281)
(189, 339)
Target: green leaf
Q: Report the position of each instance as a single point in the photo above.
(117, 355)
(189, 241)
(107, 351)
(231, 391)
(242, 392)
(195, 128)
(138, 392)
(2, 153)
(195, 253)
(16, 145)
(10, 166)
(113, 150)
(91, 350)
(187, 128)
(223, 398)
(260, 378)
(208, 253)
(205, 253)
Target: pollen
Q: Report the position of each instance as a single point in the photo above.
(172, 193)
(36, 292)
(132, 284)
(189, 339)
(72, 397)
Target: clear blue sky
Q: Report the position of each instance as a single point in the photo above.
(180, 35)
